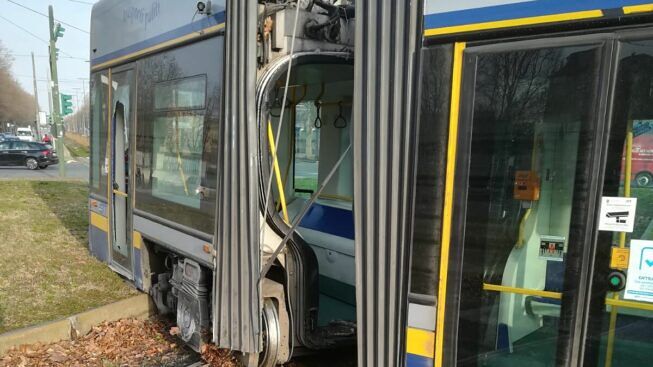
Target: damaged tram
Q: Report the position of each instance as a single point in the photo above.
(432, 183)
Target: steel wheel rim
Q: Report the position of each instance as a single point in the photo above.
(32, 163)
(271, 334)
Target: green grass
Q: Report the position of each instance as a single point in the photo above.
(46, 271)
(76, 149)
(306, 183)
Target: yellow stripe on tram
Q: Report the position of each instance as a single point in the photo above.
(100, 222)
(137, 239)
(564, 17)
(420, 342)
(633, 9)
(456, 81)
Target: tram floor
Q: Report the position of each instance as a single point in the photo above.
(333, 309)
(539, 348)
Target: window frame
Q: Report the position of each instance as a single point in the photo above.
(177, 81)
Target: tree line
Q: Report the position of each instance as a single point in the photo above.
(16, 105)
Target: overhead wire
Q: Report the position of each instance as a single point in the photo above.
(33, 35)
(81, 2)
(25, 30)
(46, 56)
(47, 16)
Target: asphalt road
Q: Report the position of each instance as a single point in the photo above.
(75, 169)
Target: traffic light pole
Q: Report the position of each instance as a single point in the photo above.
(55, 113)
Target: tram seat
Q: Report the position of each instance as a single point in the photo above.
(543, 306)
(328, 227)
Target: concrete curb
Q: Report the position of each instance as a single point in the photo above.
(140, 307)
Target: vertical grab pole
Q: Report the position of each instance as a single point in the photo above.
(628, 170)
(277, 173)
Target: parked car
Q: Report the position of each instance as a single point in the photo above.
(25, 134)
(8, 137)
(29, 154)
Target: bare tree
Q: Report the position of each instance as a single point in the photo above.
(16, 105)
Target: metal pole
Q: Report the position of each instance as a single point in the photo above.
(36, 100)
(49, 89)
(84, 106)
(56, 111)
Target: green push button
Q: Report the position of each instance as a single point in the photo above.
(616, 281)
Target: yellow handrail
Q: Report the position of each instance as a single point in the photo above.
(525, 291)
(277, 173)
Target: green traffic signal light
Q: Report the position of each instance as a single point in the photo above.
(58, 31)
(66, 104)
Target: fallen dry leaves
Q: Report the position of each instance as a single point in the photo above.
(122, 343)
(217, 357)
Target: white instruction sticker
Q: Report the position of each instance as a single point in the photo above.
(639, 283)
(617, 214)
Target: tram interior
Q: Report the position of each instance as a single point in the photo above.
(521, 185)
(523, 175)
(315, 133)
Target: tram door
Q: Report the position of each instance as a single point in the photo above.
(551, 220)
(122, 126)
(620, 327)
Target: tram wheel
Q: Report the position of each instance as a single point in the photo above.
(271, 335)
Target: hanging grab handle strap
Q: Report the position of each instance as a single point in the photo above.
(318, 120)
(340, 122)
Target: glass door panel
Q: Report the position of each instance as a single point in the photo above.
(621, 321)
(122, 107)
(532, 125)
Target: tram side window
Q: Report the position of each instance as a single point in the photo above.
(177, 140)
(179, 100)
(99, 134)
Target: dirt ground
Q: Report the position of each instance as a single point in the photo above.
(124, 343)
(149, 343)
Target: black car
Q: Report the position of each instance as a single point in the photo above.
(7, 137)
(28, 154)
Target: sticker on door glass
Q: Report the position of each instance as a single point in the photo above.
(639, 284)
(552, 248)
(617, 214)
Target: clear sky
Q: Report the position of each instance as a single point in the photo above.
(73, 63)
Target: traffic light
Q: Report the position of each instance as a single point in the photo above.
(58, 31)
(66, 104)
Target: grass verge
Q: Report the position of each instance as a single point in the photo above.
(75, 148)
(46, 271)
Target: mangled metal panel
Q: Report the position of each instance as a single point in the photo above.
(236, 313)
(388, 34)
